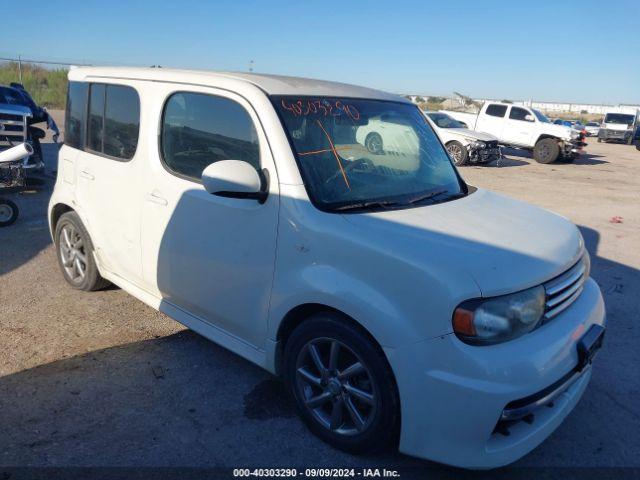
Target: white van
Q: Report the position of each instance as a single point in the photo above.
(401, 305)
(619, 126)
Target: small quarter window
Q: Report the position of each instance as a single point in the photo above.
(76, 114)
(200, 129)
(496, 110)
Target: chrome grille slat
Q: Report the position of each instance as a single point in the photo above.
(555, 311)
(563, 290)
(565, 280)
(554, 301)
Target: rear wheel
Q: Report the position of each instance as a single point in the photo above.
(458, 153)
(342, 384)
(75, 254)
(8, 212)
(546, 150)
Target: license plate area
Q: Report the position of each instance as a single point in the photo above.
(589, 345)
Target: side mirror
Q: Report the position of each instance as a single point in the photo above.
(235, 179)
(529, 118)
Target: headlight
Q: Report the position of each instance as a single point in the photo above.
(479, 145)
(498, 319)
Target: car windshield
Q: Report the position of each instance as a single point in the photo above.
(357, 154)
(540, 116)
(619, 118)
(443, 120)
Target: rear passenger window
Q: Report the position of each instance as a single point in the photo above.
(496, 110)
(96, 117)
(75, 115)
(519, 114)
(200, 129)
(114, 120)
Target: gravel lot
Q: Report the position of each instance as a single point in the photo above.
(100, 379)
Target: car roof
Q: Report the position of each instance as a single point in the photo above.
(270, 84)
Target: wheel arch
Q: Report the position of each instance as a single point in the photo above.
(299, 314)
(57, 211)
(544, 136)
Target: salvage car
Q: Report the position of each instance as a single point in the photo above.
(464, 145)
(592, 129)
(401, 305)
(19, 114)
(525, 128)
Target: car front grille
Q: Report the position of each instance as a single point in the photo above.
(11, 117)
(563, 290)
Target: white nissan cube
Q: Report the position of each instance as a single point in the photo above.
(401, 306)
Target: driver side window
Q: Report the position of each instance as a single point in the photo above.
(519, 114)
(199, 129)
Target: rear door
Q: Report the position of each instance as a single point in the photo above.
(519, 127)
(492, 119)
(108, 183)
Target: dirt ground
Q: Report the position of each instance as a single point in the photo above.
(99, 379)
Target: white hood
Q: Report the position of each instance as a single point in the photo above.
(560, 131)
(616, 126)
(504, 244)
(465, 132)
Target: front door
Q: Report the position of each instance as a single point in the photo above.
(210, 256)
(519, 127)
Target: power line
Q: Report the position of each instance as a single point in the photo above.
(43, 61)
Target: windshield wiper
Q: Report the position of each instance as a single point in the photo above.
(367, 205)
(426, 196)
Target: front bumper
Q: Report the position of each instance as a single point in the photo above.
(608, 134)
(453, 395)
(484, 155)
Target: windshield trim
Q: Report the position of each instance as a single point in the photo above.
(331, 208)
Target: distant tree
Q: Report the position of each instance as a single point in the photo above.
(436, 99)
(506, 101)
(419, 100)
(583, 112)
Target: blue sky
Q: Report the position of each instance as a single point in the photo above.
(577, 51)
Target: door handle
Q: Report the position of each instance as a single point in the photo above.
(87, 175)
(154, 197)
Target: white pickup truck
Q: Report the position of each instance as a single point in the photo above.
(523, 127)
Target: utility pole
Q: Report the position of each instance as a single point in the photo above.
(20, 68)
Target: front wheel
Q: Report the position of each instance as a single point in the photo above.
(374, 143)
(342, 384)
(8, 212)
(546, 150)
(458, 153)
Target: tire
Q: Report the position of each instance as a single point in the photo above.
(599, 140)
(374, 143)
(8, 212)
(458, 153)
(546, 150)
(375, 426)
(74, 250)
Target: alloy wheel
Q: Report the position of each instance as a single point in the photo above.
(336, 386)
(456, 153)
(6, 212)
(72, 253)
